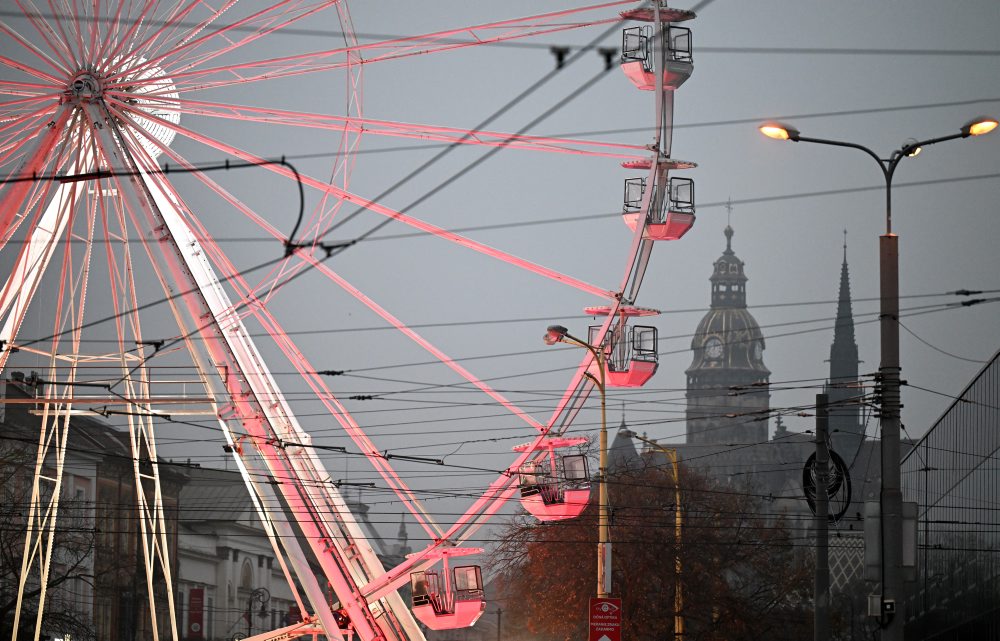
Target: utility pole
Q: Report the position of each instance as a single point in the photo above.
(671, 453)
(821, 605)
(559, 334)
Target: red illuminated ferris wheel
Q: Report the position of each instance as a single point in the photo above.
(109, 235)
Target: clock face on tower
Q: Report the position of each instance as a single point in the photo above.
(713, 348)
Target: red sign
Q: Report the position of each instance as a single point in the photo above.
(196, 610)
(605, 619)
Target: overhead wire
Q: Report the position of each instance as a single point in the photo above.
(547, 46)
(418, 422)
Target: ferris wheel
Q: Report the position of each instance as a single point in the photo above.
(121, 128)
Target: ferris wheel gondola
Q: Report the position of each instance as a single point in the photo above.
(448, 598)
(555, 487)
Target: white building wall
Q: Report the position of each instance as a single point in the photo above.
(229, 561)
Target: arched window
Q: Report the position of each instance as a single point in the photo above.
(246, 576)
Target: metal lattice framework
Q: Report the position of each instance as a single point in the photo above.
(92, 97)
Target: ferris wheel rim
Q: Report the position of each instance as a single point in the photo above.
(165, 93)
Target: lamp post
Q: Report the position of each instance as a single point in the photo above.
(671, 453)
(262, 595)
(559, 334)
(891, 497)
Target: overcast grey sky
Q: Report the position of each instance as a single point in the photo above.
(750, 65)
(918, 72)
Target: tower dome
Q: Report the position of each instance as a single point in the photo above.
(728, 336)
(728, 352)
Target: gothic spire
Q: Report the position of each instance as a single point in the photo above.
(845, 419)
(844, 350)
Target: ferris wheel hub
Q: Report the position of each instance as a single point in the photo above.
(85, 86)
(147, 98)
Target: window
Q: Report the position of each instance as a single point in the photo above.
(468, 578)
(246, 575)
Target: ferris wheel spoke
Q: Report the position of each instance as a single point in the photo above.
(16, 136)
(421, 341)
(31, 71)
(112, 27)
(116, 41)
(32, 92)
(281, 273)
(416, 223)
(450, 135)
(248, 295)
(184, 56)
(35, 256)
(170, 27)
(320, 389)
(253, 293)
(394, 49)
(74, 36)
(38, 155)
(34, 51)
(57, 44)
(274, 23)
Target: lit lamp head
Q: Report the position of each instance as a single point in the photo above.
(779, 131)
(979, 126)
(554, 334)
(911, 148)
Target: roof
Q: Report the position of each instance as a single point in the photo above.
(214, 495)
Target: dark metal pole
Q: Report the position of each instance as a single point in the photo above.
(892, 495)
(499, 613)
(821, 608)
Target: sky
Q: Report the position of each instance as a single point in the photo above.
(873, 73)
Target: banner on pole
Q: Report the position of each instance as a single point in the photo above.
(605, 619)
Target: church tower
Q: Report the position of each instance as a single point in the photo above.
(842, 388)
(728, 353)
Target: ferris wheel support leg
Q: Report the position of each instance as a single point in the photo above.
(281, 533)
(149, 499)
(152, 521)
(167, 259)
(36, 254)
(42, 513)
(345, 540)
(256, 402)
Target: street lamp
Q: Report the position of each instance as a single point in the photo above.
(891, 497)
(559, 334)
(671, 453)
(261, 595)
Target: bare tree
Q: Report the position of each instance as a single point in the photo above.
(74, 545)
(743, 575)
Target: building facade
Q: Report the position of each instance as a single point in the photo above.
(97, 584)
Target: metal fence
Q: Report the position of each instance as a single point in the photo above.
(953, 474)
